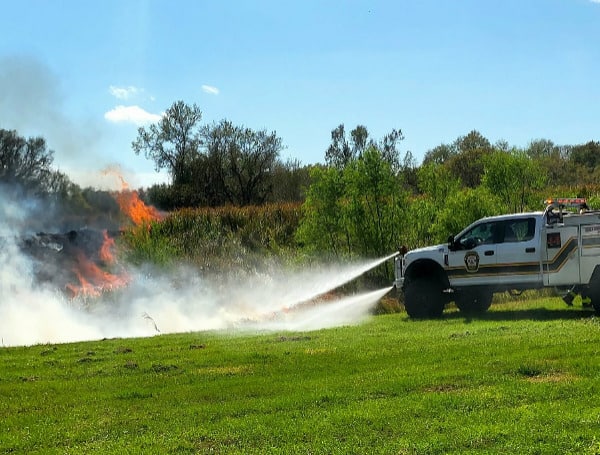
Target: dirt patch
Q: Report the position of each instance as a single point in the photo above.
(552, 377)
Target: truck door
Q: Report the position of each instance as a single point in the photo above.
(472, 259)
(561, 265)
(519, 255)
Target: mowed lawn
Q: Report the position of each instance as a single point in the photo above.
(524, 378)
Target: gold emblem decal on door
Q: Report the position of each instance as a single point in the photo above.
(472, 261)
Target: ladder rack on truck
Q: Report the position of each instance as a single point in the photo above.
(558, 208)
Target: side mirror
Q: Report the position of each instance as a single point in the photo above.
(451, 243)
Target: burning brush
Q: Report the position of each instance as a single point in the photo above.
(80, 262)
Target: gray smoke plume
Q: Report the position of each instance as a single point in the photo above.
(33, 101)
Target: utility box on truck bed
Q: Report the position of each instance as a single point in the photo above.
(557, 247)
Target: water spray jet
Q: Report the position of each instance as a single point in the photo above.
(180, 301)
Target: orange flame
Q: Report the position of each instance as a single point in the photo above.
(138, 212)
(105, 253)
(129, 201)
(93, 281)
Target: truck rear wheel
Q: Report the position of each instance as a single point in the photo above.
(473, 301)
(424, 299)
(594, 294)
(593, 291)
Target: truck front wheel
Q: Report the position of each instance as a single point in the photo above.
(424, 299)
(473, 301)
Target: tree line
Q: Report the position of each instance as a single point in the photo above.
(366, 198)
(367, 201)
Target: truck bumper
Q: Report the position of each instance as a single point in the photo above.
(399, 283)
(399, 276)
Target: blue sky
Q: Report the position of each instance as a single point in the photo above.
(85, 74)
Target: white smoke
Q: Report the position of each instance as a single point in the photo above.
(33, 314)
(180, 301)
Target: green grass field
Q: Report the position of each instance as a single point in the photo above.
(524, 378)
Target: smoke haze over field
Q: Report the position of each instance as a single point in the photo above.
(152, 302)
(181, 302)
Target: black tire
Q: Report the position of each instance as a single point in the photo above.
(473, 301)
(594, 294)
(593, 290)
(424, 299)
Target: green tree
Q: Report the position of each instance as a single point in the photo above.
(587, 155)
(241, 161)
(388, 147)
(554, 163)
(421, 231)
(173, 142)
(290, 180)
(356, 210)
(353, 205)
(464, 157)
(437, 182)
(27, 163)
(462, 208)
(322, 228)
(439, 154)
(342, 150)
(374, 204)
(472, 141)
(542, 148)
(436, 186)
(408, 172)
(514, 177)
(468, 166)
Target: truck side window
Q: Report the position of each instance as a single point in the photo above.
(520, 230)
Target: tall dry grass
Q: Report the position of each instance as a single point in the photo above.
(216, 237)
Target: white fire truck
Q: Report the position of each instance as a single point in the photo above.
(558, 247)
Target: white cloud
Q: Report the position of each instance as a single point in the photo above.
(123, 93)
(131, 114)
(210, 89)
(595, 1)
